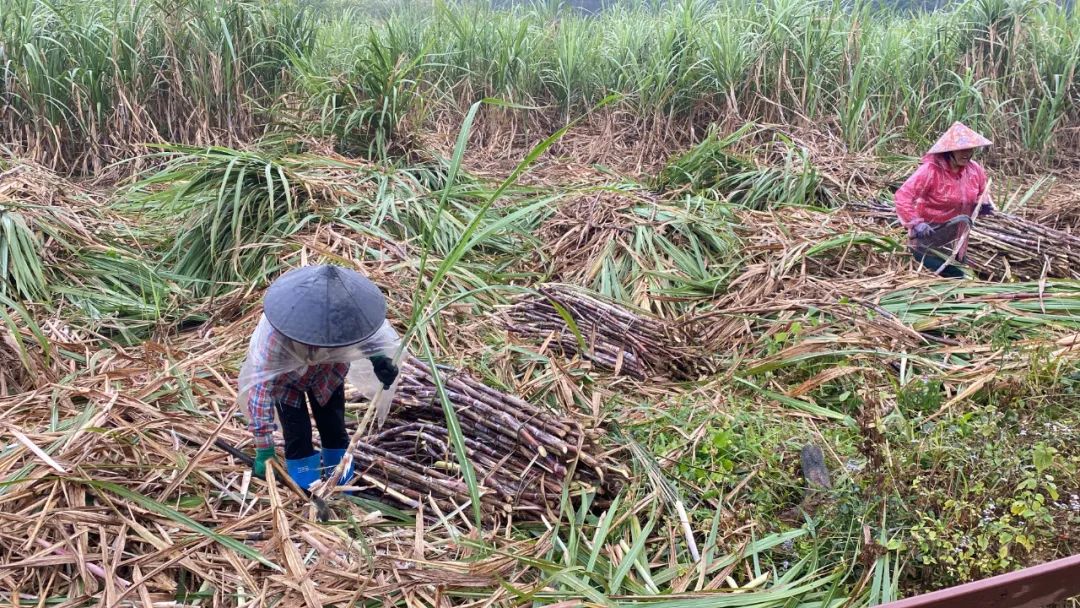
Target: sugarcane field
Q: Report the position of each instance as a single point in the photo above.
(680, 303)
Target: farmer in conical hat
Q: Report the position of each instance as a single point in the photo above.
(936, 203)
(320, 325)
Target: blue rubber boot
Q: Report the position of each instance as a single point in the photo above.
(304, 471)
(331, 458)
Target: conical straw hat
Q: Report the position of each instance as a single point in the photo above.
(325, 306)
(959, 137)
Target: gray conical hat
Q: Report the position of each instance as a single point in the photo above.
(325, 306)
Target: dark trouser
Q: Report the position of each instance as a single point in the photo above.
(933, 261)
(329, 419)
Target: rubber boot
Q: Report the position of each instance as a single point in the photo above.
(331, 458)
(304, 471)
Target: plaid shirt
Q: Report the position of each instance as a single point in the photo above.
(288, 390)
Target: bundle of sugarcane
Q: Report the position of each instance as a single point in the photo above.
(522, 453)
(1006, 246)
(608, 334)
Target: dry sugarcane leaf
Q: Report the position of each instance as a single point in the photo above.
(296, 570)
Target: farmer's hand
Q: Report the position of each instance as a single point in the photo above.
(986, 208)
(258, 466)
(922, 230)
(385, 370)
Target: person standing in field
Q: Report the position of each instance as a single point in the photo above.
(937, 202)
(320, 326)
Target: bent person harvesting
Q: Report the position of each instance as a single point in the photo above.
(320, 326)
(937, 203)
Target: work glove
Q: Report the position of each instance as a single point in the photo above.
(258, 466)
(986, 208)
(922, 230)
(385, 370)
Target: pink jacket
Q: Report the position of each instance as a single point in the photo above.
(936, 193)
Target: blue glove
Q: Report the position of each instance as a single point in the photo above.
(986, 209)
(922, 230)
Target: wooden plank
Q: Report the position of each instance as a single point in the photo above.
(1033, 587)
